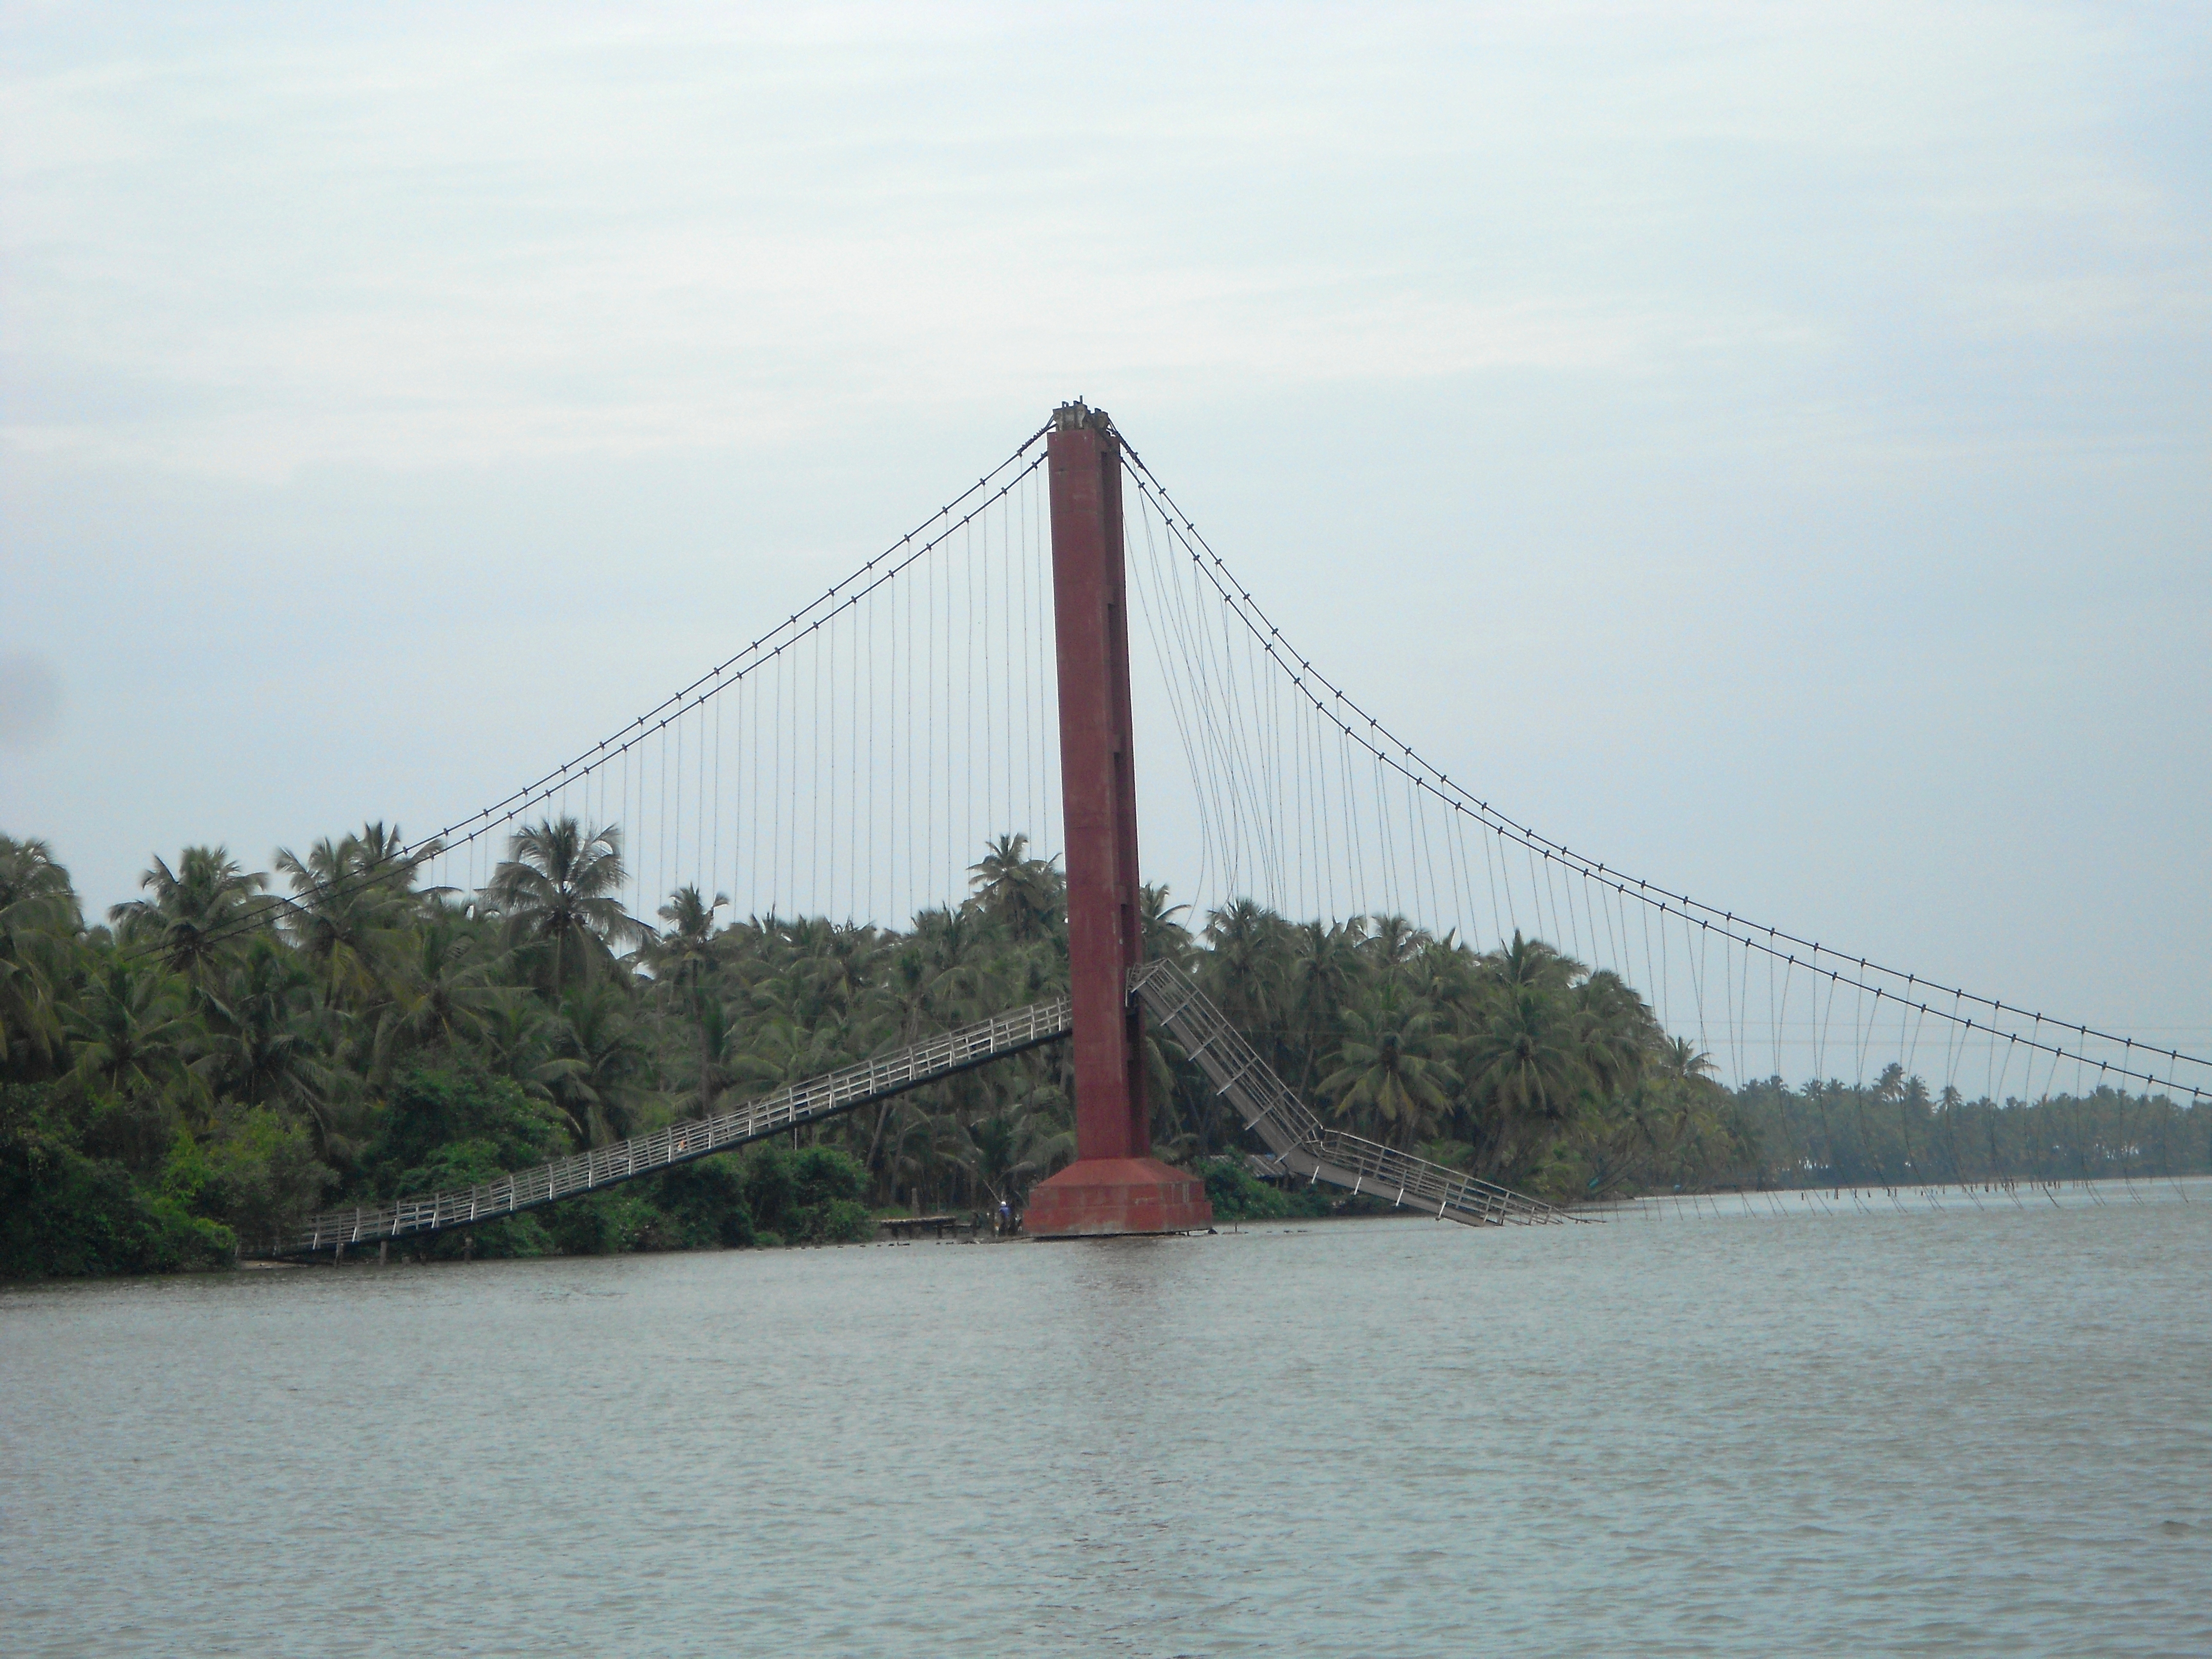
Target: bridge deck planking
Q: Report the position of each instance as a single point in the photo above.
(843, 1091)
(1299, 1141)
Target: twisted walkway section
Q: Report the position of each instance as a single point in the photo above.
(810, 1102)
(1299, 1141)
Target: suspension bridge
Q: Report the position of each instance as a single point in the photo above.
(977, 674)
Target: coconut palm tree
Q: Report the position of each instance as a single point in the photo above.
(604, 1080)
(39, 917)
(1616, 1032)
(913, 1150)
(924, 982)
(840, 971)
(721, 1058)
(199, 914)
(1681, 1059)
(1245, 965)
(445, 990)
(35, 893)
(350, 899)
(1006, 1152)
(1672, 1107)
(1446, 973)
(556, 890)
(516, 1041)
(683, 954)
(1328, 964)
(1393, 941)
(1027, 896)
(936, 972)
(131, 1032)
(1532, 962)
(1523, 1065)
(261, 1046)
(1391, 1070)
(1163, 935)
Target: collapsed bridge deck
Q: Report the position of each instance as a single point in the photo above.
(1300, 1142)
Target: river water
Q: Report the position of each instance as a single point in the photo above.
(1859, 1430)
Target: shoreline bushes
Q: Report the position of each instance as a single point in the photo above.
(229, 1053)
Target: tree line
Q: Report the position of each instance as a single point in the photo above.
(238, 1047)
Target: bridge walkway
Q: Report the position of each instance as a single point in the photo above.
(810, 1102)
(1301, 1142)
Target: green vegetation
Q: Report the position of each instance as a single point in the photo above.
(236, 1049)
(1237, 1194)
(1893, 1131)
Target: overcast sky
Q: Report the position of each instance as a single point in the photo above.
(1764, 446)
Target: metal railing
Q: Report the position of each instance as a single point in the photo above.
(1302, 1143)
(841, 1091)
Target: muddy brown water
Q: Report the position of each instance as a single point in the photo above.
(1903, 1431)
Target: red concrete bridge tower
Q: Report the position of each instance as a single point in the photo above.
(1114, 1185)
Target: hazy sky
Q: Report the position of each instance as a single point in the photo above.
(1765, 445)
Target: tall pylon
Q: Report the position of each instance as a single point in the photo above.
(1115, 1185)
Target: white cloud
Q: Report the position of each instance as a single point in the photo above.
(1731, 334)
(402, 245)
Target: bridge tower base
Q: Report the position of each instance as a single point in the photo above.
(1114, 1185)
(1106, 1197)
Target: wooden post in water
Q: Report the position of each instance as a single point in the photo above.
(1115, 1185)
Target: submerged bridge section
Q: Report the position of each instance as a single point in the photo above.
(1300, 1142)
(810, 1102)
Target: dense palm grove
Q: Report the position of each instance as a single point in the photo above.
(236, 1049)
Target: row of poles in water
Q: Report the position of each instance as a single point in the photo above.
(2087, 1193)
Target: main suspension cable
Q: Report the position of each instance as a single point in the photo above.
(841, 596)
(1389, 750)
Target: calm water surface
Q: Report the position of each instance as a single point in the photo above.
(1956, 1431)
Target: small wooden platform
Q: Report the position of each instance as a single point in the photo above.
(913, 1227)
